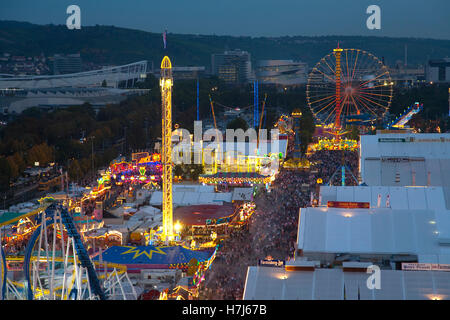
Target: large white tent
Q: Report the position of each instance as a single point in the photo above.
(399, 197)
(272, 283)
(422, 234)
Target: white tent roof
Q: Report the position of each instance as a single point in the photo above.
(393, 160)
(268, 283)
(421, 232)
(187, 198)
(427, 145)
(400, 197)
(245, 194)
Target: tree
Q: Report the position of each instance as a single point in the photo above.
(5, 174)
(354, 133)
(75, 172)
(237, 123)
(178, 170)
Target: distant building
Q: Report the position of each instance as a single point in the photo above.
(438, 70)
(281, 72)
(407, 77)
(233, 67)
(184, 73)
(64, 64)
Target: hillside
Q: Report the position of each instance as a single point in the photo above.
(112, 45)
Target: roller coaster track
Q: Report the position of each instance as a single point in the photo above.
(82, 254)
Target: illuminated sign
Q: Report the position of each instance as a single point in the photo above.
(348, 205)
(271, 263)
(391, 140)
(425, 267)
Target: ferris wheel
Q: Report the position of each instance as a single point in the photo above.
(349, 86)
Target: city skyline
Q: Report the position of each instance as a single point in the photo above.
(252, 18)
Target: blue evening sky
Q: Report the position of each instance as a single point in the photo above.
(399, 18)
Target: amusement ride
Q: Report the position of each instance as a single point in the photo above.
(348, 86)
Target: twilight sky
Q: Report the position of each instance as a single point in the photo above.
(399, 18)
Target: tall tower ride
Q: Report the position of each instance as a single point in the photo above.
(296, 115)
(338, 72)
(166, 82)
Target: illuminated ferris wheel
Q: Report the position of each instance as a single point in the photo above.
(349, 86)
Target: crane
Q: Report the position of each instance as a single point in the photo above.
(212, 109)
(261, 119)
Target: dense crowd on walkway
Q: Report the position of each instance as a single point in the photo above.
(328, 161)
(272, 229)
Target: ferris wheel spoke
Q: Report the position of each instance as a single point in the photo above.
(378, 86)
(376, 94)
(375, 99)
(367, 107)
(322, 106)
(354, 67)
(355, 104)
(327, 106)
(331, 79)
(347, 76)
(326, 98)
(345, 106)
(330, 114)
(331, 69)
(382, 74)
(367, 99)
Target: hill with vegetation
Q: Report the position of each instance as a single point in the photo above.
(113, 45)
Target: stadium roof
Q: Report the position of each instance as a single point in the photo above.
(89, 78)
(376, 231)
(271, 283)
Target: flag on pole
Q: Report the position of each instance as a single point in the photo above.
(165, 38)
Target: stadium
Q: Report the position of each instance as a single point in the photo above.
(98, 87)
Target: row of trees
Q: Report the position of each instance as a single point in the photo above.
(68, 136)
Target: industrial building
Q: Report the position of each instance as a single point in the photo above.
(233, 67)
(64, 64)
(281, 72)
(438, 70)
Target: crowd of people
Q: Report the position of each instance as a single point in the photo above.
(271, 232)
(326, 162)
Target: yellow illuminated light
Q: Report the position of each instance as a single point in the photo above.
(177, 227)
